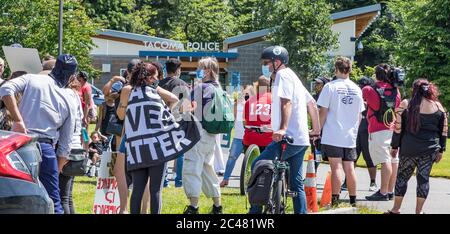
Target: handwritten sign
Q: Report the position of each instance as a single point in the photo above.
(107, 200)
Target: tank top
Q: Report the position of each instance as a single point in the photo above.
(109, 111)
(426, 140)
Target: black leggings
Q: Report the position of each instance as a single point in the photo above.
(65, 192)
(362, 146)
(406, 169)
(140, 178)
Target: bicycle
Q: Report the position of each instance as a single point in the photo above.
(280, 183)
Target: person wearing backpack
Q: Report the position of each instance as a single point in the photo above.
(291, 103)
(213, 109)
(382, 99)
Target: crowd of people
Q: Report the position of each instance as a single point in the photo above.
(150, 116)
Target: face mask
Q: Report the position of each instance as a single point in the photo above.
(246, 97)
(200, 74)
(266, 71)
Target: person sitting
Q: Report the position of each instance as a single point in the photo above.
(96, 147)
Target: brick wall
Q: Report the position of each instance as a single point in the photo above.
(117, 63)
(248, 62)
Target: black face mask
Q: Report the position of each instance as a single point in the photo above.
(246, 97)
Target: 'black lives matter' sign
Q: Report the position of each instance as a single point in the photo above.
(153, 135)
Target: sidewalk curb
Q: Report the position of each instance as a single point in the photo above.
(350, 210)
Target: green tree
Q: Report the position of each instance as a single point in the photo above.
(121, 15)
(342, 5)
(424, 47)
(252, 15)
(304, 28)
(34, 24)
(202, 21)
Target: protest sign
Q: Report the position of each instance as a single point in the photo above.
(153, 134)
(107, 200)
(22, 59)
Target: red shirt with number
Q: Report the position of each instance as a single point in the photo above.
(257, 113)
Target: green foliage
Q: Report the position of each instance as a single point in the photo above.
(121, 15)
(203, 21)
(424, 44)
(356, 73)
(342, 5)
(304, 28)
(380, 39)
(252, 15)
(34, 24)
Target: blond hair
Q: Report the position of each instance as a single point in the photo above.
(211, 64)
(2, 61)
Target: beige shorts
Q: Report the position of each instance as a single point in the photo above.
(380, 147)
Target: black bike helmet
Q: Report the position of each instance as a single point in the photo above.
(276, 52)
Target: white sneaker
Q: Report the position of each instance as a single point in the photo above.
(373, 187)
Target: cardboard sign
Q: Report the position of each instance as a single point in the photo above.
(23, 59)
(107, 200)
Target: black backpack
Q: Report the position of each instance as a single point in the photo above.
(387, 102)
(260, 183)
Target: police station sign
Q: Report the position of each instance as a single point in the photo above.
(178, 46)
(203, 46)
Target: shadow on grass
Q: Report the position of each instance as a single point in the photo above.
(231, 194)
(86, 182)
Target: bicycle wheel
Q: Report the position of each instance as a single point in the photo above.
(250, 155)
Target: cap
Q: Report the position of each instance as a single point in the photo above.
(322, 80)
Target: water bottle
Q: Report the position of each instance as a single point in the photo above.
(85, 135)
(318, 155)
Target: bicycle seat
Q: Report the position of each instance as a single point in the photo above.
(287, 139)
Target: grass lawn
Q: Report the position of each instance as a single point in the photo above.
(441, 169)
(174, 199)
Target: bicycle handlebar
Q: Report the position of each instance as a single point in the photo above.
(287, 139)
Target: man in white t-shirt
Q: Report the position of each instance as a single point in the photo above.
(290, 104)
(341, 105)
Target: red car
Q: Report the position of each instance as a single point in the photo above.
(21, 192)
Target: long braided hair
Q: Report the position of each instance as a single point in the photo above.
(422, 88)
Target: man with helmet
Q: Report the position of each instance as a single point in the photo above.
(47, 109)
(290, 104)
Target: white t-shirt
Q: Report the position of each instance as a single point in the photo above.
(344, 101)
(239, 122)
(288, 86)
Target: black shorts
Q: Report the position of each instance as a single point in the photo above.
(347, 154)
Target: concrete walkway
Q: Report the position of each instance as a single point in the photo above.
(438, 201)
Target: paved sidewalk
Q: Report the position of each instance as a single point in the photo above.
(438, 201)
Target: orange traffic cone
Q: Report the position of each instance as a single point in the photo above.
(311, 186)
(326, 194)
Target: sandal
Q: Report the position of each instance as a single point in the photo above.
(224, 183)
(391, 212)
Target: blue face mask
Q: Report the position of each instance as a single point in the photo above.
(266, 71)
(200, 74)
